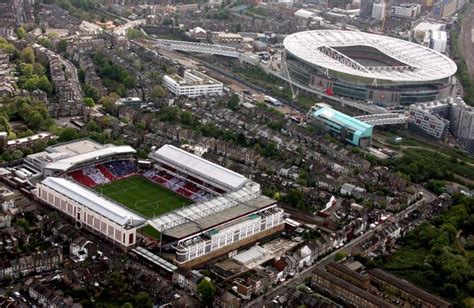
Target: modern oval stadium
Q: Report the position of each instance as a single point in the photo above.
(368, 67)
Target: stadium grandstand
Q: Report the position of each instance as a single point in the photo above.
(368, 67)
(197, 209)
(91, 210)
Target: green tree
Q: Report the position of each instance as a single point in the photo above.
(92, 126)
(20, 31)
(143, 299)
(88, 101)
(157, 92)
(340, 255)
(206, 291)
(17, 154)
(127, 305)
(38, 69)
(234, 102)
(35, 119)
(26, 70)
(27, 55)
(45, 42)
(44, 85)
(81, 74)
(68, 134)
(62, 46)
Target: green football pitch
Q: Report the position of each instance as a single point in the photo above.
(142, 196)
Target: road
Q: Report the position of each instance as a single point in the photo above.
(122, 29)
(73, 77)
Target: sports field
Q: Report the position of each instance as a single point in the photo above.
(142, 196)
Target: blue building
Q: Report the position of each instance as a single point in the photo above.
(343, 126)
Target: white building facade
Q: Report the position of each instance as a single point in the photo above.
(91, 211)
(193, 84)
(219, 238)
(409, 10)
(427, 119)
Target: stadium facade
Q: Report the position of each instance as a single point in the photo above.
(228, 209)
(91, 211)
(368, 67)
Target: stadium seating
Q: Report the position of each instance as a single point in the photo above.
(180, 186)
(80, 177)
(95, 175)
(106, 172)
(121, 169)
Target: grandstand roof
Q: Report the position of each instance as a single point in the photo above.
(219, 217)
(67, 163)
(200, 167)
(420, 63)
(93, 201)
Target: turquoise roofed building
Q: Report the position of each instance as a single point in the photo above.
(345, 127)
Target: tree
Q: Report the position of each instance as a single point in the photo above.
(157, 92)
(88, 101)
(62, 46)
(143, 299)
(45, 42)
(35, 119)
(340, 255)
(234, 102)
(20, 31)
(27, 55)
(17, 154)
(44, 85)
(206, 291)
(26, 70)
(68, 134)
(81, 74)
(127, 305)
(92, 126)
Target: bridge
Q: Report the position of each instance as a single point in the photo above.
(384, 119)
(211, 49)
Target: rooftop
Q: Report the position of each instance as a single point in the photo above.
(409, 288)
(69, 162)
(421, 63)
(342, 119)
(94, 201)
(200, 167)
(217, 218)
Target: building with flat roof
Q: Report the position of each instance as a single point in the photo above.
(193, 84)
(90, 210)
(406, 10)
(61, 158)
(431, 118)
(129, 102)
(347, 128)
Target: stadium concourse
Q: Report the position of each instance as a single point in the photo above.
(200, 210)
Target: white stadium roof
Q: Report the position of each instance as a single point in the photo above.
(317, 48)
(200, 167)
(93, 201)
(67, 163)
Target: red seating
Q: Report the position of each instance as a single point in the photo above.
(82, 178)
(106, 172)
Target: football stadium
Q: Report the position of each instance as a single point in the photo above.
(368, 67)
(198, 210)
